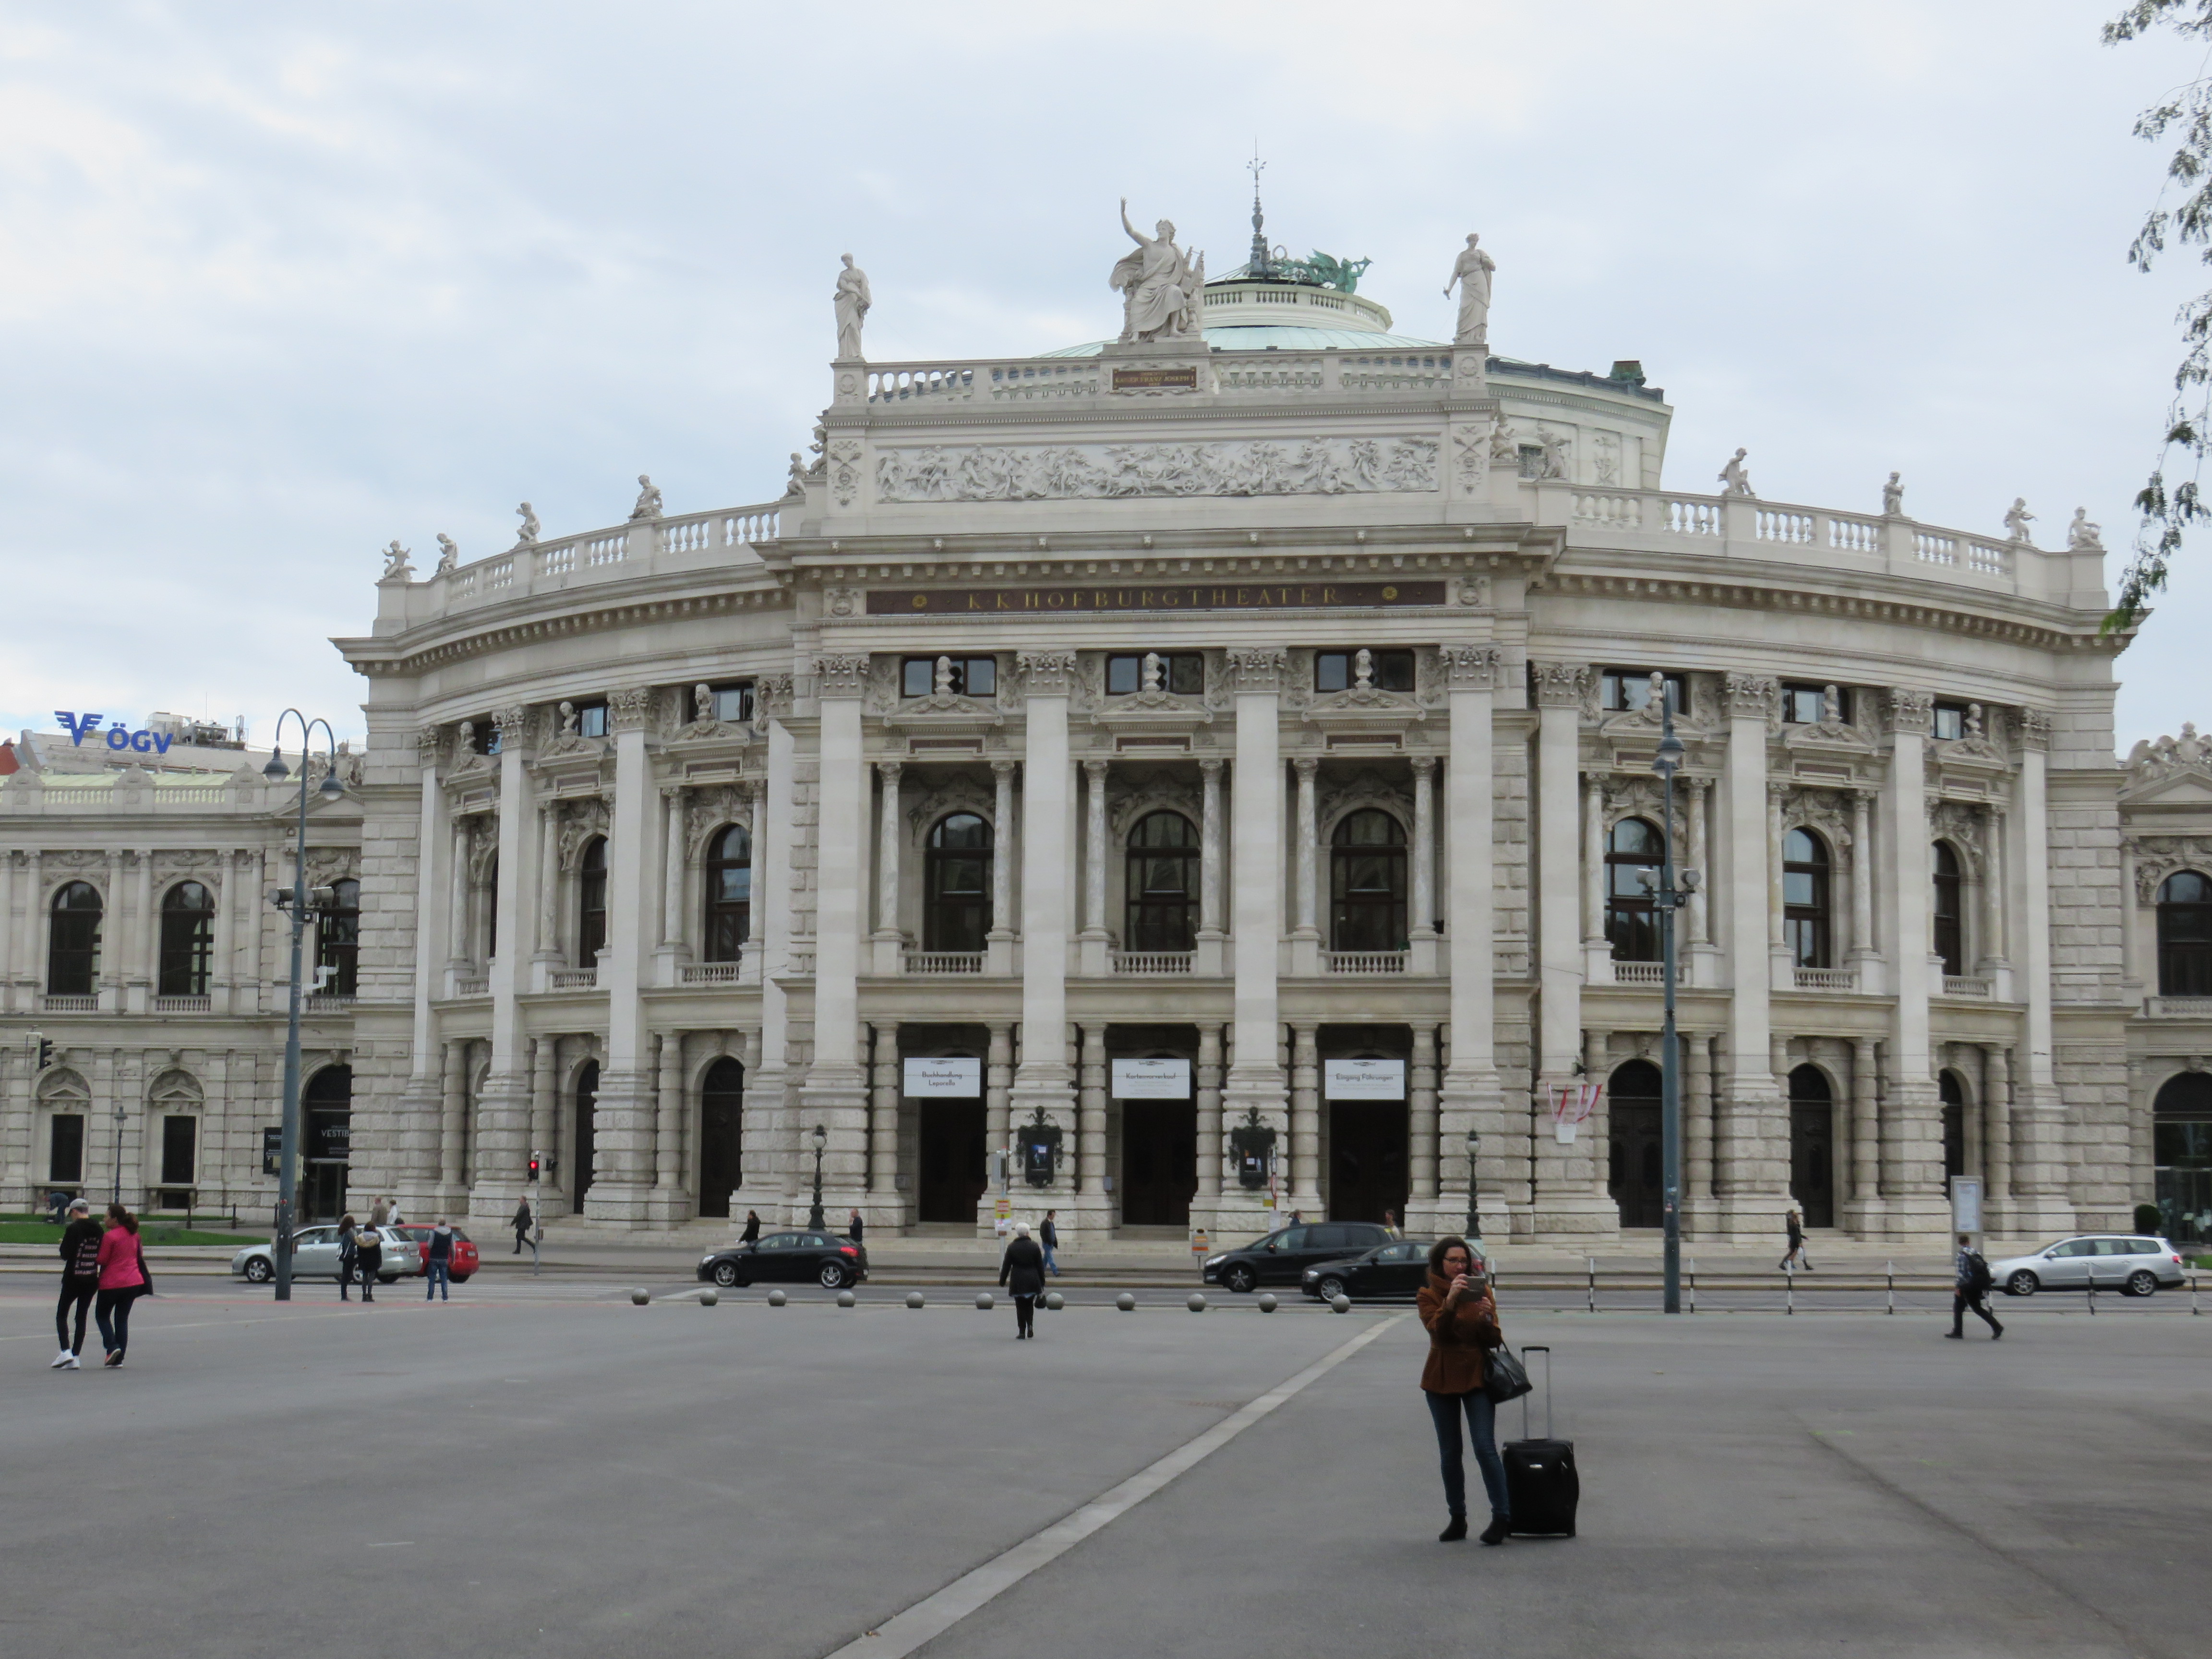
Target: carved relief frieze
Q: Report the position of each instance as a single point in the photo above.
(1035, 472)
(707, 811)
(1124, 809)
(1366, 787)
(772, 696)
(1963, 826)
(326, 865)
(2157, 857)
(956, 793)
(844, 458)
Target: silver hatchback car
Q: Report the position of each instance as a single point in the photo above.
(2131, 1263)
(315, 1256)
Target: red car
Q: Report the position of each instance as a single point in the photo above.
(464, 1254)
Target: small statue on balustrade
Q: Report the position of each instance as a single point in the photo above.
(648, 500)
(851, 300)
(2082, 536)
(396, 568)
(1735, 480)
(2017, 518)
(449, 554)
(528, 535)
(1893, 498)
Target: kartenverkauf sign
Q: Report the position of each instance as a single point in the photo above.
(1151, 1079)
(1093, 597)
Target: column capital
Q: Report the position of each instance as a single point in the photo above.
(1047, 673)
(1470, 667)
(1094, 769)
(2033, 727)
(1004, 766)
(1305, 766)
(430, 747)
(1911, 711)
(839, 674)
(1423, 765)
(772, 695)
(1558, 685)
(1210, 766)
(1257, 668)
(889, 771)
(514, 726)
(1752, 695)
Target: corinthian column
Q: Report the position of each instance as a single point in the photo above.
(1565, 1173)
(1751, 1133)
(836, 1092)
(1422, 935)
(888, 941)
(999, 943)
(1255, 1082)
(1094, 868)
(1305, 937)
(1207, 958)
(1043, 1078)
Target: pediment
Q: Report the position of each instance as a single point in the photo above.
(1152, 711)
(1364, 705)
(1832, 736)
(2190, 787)
(944, 711)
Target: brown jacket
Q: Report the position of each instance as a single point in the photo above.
(1458, 1337)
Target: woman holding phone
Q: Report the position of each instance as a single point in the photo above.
(1462, 1316)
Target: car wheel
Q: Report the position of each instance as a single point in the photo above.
(259, 1271)
(725, 1273)
(832, 1277)
(2022, 1283)
(1330, 1288)
(2141, 1282)
(1240, 1278)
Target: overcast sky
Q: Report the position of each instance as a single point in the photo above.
(280, 282)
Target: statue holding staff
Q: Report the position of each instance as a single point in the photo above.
(1471, 272)
(851, 300)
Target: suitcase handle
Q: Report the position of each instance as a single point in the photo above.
(1544, 1349)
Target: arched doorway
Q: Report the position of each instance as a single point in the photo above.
(1813, 1145)
(1633, 1157)
(1150, 1085)
(2181, 1153)
(325, 1142)
(586, 1139)
(1955, 1126)
(722, 1106)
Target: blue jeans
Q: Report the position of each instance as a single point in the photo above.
(1049, 1262)
(1481, 1420)
(439, 1278)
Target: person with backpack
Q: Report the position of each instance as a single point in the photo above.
(122, 1280)
(437, 1263)
(1460, 1314)
(79, 1282)
(1970, 1289)
(369, 1258)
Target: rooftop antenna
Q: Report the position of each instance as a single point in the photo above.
(1260, 261)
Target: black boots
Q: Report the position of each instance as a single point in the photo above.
(1496, 1531)
(1455, 1532)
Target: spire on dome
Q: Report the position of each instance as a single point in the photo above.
(1260, 260)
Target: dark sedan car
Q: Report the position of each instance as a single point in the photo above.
(1282, 1257)
(1398, 1270)
(800, 1258)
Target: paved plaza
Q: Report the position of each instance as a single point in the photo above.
(545, 1469)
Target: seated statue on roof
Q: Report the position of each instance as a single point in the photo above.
(1160, 286)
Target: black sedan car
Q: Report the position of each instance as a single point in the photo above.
(1282, 1257)
(1387, 1270)
(800, 1258)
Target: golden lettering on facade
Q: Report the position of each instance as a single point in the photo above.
(1307, 596)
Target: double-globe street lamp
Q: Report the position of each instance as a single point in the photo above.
(1668, 895)
(821, 1141)
(299, 904)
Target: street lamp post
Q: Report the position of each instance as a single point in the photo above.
(1671, 895)
(821, 1141)
(294, 901)
(1473, 1185)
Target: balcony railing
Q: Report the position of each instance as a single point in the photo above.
(710, 973)
(1150, 961)
(1827, 979)
(1965, 984)
(479, 986)
(2177, 1007)
(1363, 962)
(58, 1004)
(199, 1004)
(327, 1002)
(1639, 973)
(575, 979)
(943, 962)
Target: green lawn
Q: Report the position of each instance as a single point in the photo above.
(40, 1232)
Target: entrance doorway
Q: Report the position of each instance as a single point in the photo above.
(587, 1136)
(323, 1194)
(326, 1118)
(1367, 1143)
(953, 1176)
(2181, 1156)
(1953, 1097)
(721, 1101)
(1813, 1145)
(1159, 1162)
(1633, 1154)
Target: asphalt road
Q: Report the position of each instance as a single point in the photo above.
(545, 1469)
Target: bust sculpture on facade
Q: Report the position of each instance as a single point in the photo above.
(1893, 498)
(1735, 479)
(648, 500)
(1159, 285)
(2017, 518)
(449, 555)
(1471, 271)
(851, 300)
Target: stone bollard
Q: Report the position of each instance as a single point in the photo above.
(1341, 1304)
(1267, 1303)
(846, 1298)
(777, 1299)
(913, 1298)
(1126, 1303)
(707, 1298)
(1197, 1303)
(984, 1302)
(1054, 1301)
(639, 1298)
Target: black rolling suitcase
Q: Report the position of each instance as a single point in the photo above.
(1540, 1482)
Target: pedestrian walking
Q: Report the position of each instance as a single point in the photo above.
(521, 1223)
(1022, 1271)
(1049, 1237)
(369, 1258)
(1970, 1286)
(80, 1252)
(380, 1212)
(751, 1234)
(1462, 1316)
(393, 1217)
(349, 1254)
(852, 1227)
(1796, 1225)
(122, 1280)
(438, 1265)
(1390, 1224)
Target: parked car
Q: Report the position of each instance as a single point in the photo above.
(1282, 1257)
(2128, 1262)
(315, 1256)
(1387, 1270)
(798, 1258)
(465, 1259)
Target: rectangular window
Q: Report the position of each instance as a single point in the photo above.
(1386, 670)
(1950, 721)
(592, 720)
(970, 677)
(180, 1142)
(66, 1148)
(486, 736)
(732, 704)
(1807, 705)
(1532, 461)
(1629, 691)
(1183, 673)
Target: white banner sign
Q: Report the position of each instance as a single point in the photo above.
(1966, 1204)
(1362, 1080)
(959, 1078)
(1151, 1079)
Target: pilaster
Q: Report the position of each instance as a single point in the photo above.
(1255, 1080)
(836, 1092)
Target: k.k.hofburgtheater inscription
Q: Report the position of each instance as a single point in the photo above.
(1165, 596)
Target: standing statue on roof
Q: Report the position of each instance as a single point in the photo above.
(2017, 518)
(1160, 285)
(1471, 272)
(851, 300)
(1735, 480)
(1893, 498)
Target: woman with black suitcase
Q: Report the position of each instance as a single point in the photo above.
(1462, 1317)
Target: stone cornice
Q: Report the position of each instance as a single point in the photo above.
(503, 628)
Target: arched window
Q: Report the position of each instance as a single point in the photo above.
(2181, 1155)
(73, 949)
(1161, 876)
(1633, 1154)
(721, 1134)
(338, 940)
(2184, 936)
(1630, 921)
(1367, 883)
(187, 941)
(592, 902)
(1805, 898)
(956, 884)
(1813, 1145)
(1955, 1124)
(729, 893)
(1950, 910)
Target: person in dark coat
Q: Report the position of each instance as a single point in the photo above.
(1022, 1271)
(349, 1256)
(521, 1223)
(1049, 1237)
(80, 1282)
(1794, 1223)
(751, 1234)
(369, 1258)
(1460, 1314)
(852, 1229)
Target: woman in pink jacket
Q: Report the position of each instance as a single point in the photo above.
(122, 1280)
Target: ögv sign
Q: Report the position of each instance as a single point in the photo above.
(1153, 595)
(119, 734)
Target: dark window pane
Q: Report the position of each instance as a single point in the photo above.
(956, 884)
(592, 720)
(187, 949)
(1394, 669)
(917, 677)
(73, 945)
(179, 1144)
(1950, 722)
(591, 903)
(338, 940)
(733, 704)
(982, 678)
(1187, 675)
(1123, 675)
(1332, 671)
(66, 1153)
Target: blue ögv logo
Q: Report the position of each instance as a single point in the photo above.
(119, 735)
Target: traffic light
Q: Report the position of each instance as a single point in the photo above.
(46, 1051)
(535, 1172)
